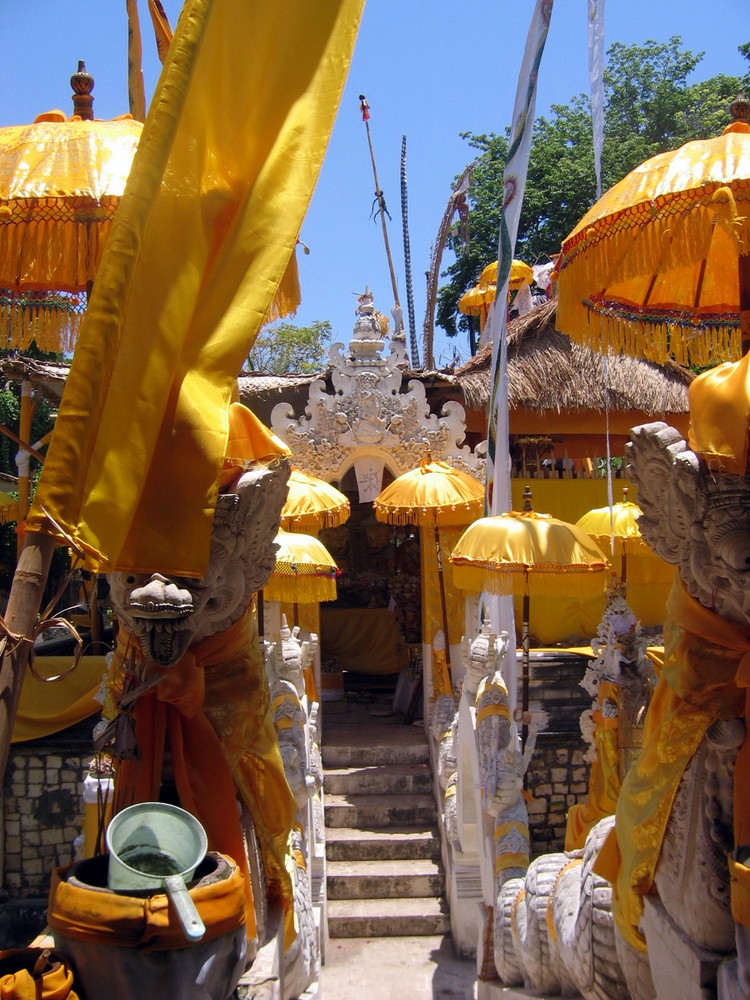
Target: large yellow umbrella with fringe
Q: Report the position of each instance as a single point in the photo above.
(531, 554)
(433, 495)
(61, 180)
(312, 504)
(660, 266)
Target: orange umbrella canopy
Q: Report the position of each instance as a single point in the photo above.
(524, 552)
(305, 571)
(312, 504)
(654, 267)
(60, 183)
(434, 494)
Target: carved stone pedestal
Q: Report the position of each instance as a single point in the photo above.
(679, 968)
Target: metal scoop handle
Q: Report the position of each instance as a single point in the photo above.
(192, 925)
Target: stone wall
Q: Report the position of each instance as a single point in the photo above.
(558, 776)
(43, 808)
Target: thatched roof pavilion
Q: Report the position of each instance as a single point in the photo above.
(568, 393)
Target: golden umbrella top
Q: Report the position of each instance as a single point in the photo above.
(477, 300)
(434, 494)
(312, 504)
(620, 521)
(305, 571)
(524, 552)
(653, 268)
(60, 183)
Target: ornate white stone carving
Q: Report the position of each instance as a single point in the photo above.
(367, 413)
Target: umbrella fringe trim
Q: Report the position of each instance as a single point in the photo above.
(447, 515)
(52, 325)
(300, 590)
(548, 582)
(656, 235)
(654, 337)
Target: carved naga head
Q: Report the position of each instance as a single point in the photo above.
(167, 614)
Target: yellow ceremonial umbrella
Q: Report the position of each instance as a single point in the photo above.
(520, 273)
(305, 571)
(61, 180)
(434, 495)
(477, 300)
(524, 552)
(616, 528)
(660, 264)
(312, 504)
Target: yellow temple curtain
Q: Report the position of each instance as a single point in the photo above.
(220, 184)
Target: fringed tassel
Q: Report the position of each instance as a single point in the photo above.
(548, 582)
(288, 296)
(300, 590)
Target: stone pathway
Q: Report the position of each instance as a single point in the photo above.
(396, 968)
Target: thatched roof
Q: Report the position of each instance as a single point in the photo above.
(546, 371)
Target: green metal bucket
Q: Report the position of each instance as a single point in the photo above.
(154, 846)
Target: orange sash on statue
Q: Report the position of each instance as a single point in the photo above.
(706, 662)
(214, 708)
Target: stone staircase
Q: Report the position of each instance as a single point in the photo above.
(384, 877)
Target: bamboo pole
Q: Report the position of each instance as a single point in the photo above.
(364, 107)
(24, 432)
(20, 618)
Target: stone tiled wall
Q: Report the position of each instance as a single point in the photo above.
(558, 776)
(42, 809)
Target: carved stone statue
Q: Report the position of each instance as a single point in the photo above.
(189, 665)
(694, 736)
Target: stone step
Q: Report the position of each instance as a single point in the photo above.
(379, 779)
(383, 879)
(393, 843)
(380, 811)
(416, 917)
(357, 756)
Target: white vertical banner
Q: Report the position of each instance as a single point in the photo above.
(514, 185)
(596, 84)
(498, 493)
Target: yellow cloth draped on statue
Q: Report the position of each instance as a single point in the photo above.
(705, 658)
(213, 707)
(604, 778)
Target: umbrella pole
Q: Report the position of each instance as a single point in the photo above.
(525, 642)
(443, 607)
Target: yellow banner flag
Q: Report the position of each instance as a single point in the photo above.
(222, 178)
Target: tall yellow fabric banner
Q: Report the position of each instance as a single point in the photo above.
(219, 187)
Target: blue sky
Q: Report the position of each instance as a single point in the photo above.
(430, 69)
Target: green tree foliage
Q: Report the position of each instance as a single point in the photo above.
(649, 108)
(284, 347)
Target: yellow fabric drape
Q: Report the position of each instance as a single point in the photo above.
(704, 657)
(604, 777)
(47, 707)
(35, 974)
(220, 183)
